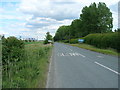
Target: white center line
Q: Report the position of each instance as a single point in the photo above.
(107, 68)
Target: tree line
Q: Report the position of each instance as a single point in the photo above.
(96, 18)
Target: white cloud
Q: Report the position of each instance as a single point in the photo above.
(88, 2)
(40, 16)
(1, 10)
(22, 17)
(57, 9)
(115, 20)
(10, 1)
(46, 8)
(3, 32)
(40, 26)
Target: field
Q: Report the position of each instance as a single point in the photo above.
(31, 70)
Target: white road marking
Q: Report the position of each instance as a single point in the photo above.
(107, 68)
(49, 72)
(62, 54)
(81, 55)
(100, 56)
(70, 54)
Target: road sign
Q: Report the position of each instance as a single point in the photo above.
(81, 40)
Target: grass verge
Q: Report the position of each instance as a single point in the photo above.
(30, 71)
(33, 42)
(41, 63)
(92, 48)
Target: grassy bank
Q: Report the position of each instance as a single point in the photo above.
(38, 55)
(31, 70)
(33, 42)
(92, 48)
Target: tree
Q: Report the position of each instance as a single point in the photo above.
(105, 18)
(48, 37)
(63, 33)
(12, 49)
(96, 19)
(75, 29)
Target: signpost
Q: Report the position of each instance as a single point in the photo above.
(80, 40)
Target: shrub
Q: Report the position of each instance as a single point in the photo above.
(23, 64)
(12, 50)
(73, 41)
(66, 41)
(45, 41)
(105, 40)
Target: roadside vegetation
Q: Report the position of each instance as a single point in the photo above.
(48, 39)
(108, 51)
(95, 27)
(34, 42)
(24, 65)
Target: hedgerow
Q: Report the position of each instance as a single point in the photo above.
(73, 41)
(104, 40)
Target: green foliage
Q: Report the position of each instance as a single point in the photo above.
(48, 37)
(46, 41)
(108, 51)
(73, 41)
(106, 40)
(63, 33)
(12, 50)
(95, 18)
(23, 65)
(65, 41)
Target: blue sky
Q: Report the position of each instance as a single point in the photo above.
(33, 18)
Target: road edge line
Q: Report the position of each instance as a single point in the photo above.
(49, 69)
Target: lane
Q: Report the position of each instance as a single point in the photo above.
(107, 60)
(77, 71)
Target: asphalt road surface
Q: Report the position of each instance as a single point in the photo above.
(73, 67)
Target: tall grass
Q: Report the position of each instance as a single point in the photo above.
(30, 70)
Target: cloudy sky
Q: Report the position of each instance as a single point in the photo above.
(33, 18)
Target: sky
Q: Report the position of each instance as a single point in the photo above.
(33, 18)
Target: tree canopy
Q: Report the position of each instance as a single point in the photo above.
(95, 18)
(48, 37)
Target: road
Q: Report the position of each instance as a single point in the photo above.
(73, 67)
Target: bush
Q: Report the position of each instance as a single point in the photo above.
(73, 41)
(12, 50)
(105, 40)
(45, 41)
(65, 41)
(23, 64)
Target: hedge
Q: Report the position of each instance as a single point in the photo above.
(73, 41)
(104, 40)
